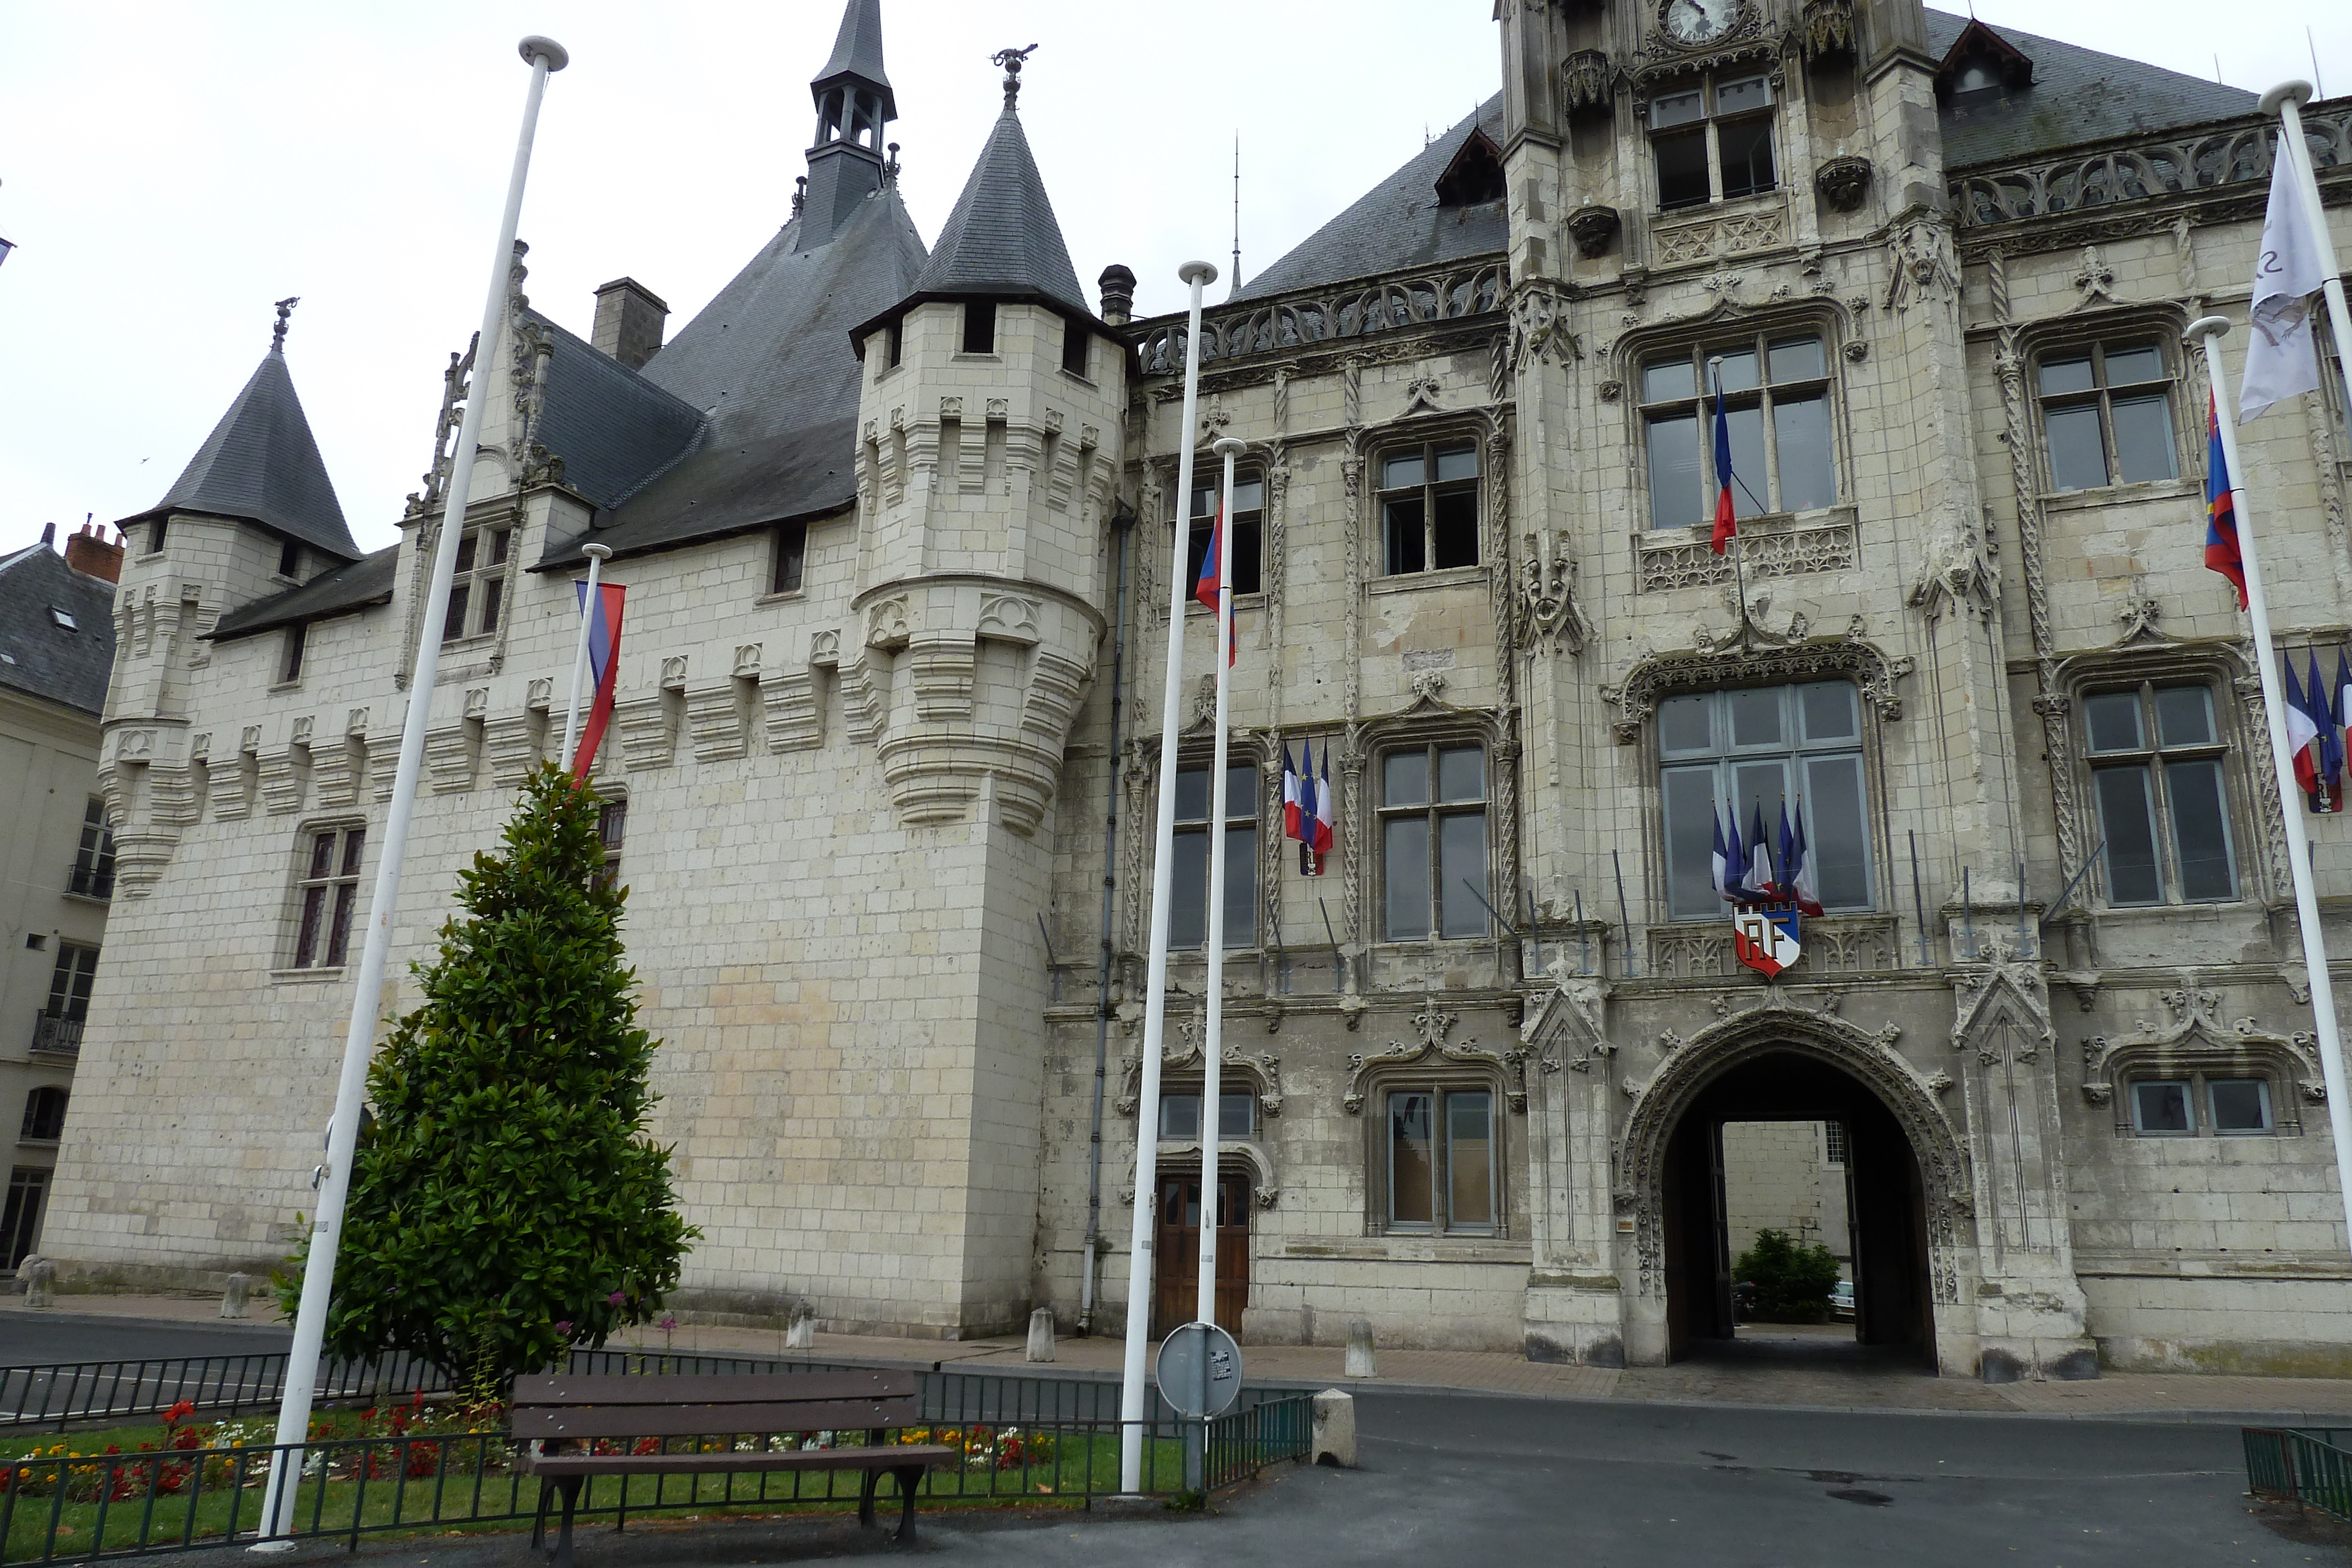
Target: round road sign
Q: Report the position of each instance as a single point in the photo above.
(1200, 1370)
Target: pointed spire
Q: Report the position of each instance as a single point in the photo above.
(858, 55)
(1001, 239)
(854, 103)
(261, 463)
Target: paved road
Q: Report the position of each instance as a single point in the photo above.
(1462, 1480)
(28, 1339)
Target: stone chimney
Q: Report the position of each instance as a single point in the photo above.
(1117, 295)
(629, 321)
(90, 553)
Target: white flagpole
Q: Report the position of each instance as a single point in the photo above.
(596, 554)
(1213, 1045)
(546, 56)
(2208, 329)
(1200, 275)
(2286, 101)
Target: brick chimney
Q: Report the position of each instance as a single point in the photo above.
(89, 553)
(1117, 295)
(629, 321)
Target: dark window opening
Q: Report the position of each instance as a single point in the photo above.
(980, 327)
(44, 1114)
(296, 636)
(612, 826)
(1429, 508)
(1474, 175)
(1076, 341)
(898, 341)
(453, 619)
(93, 872)
(1249, 519)
(1188, 889)
(290, 559)
(330, 890)
(1681, 169)
(1746, 148)
(20, 1221)
(70, 980)
(156, 531)
(789, 556)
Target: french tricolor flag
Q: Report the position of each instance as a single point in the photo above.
(1324, 816)
(1289, 798)
(604, 666)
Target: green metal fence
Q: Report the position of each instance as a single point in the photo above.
(2308, 1466)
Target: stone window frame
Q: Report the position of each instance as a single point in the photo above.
(1199, 752)
(1728, 325)
(2160, 326)
(469, 659)
(1709, 124)
(612, 808)
(2235, 720)
(1438, 1079)
(2197, 1062)
(1427, 439)
(1374, 854)
(303, 883)
(2198, 1081)
(788, 550)
(1429, 719)
(483, 615)
(1876, 834)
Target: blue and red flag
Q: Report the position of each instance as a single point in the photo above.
(1210, 581)
(604, 666)
(2222, 553)
(1727, 521)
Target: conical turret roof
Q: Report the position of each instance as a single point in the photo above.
(261, 463)
(1001, 239)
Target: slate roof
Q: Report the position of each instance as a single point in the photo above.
(354, 585)
(613, 428)
(261, 463)
(1001, 239)
(68, 665)
(857, 52)
(2077, 95)
(769, 364)
(1398, 224)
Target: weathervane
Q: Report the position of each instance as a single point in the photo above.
(285, 310)
(1011, 60)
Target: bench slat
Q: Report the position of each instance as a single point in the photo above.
(926, 1454)
(750, 1388)
(712, 1420)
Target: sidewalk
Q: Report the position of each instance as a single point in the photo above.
(1811, 1368)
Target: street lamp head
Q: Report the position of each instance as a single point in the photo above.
(597, 552)
(1229, 446)
(1201, 272)
(2206, 327)
(535, 48)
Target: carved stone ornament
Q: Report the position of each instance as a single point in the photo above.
(1843, 182)
(1744, 658)
(1825, 30)
(1592, 226)
(1548, 612)
(1430, 1026)
(1923, 264)
(2001, 1005)
(1297, 321)
(1584, 82)
(1421, 395)
(1261, 1073)
(2188, 1036)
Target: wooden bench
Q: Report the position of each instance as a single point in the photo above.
(559, 1418)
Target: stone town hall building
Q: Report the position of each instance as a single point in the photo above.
(895, 522)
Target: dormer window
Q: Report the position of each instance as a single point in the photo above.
(1475, 176)
(1713, 140)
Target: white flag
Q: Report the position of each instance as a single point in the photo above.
(2280, 359)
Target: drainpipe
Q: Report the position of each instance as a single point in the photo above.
(1123, 519)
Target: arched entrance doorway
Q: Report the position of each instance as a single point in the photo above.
(1885, 1202)
(1911, 1199)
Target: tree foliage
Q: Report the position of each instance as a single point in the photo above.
(1792, 1282)
(506, 1203)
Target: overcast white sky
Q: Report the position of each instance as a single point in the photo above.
(167, 169)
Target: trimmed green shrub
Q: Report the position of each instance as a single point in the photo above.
(1792, 1282)
(506, 1203)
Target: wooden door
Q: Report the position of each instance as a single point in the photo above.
(1177, 1251)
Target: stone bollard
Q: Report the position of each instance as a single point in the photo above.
(800, 1332)
(1041, 1335)
(40, 1277)
(1359, 1348)
(233, 1299)
(1335, 1429)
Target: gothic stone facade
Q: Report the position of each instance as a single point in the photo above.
(864, 814)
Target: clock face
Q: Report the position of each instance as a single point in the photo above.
(1700, 21)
